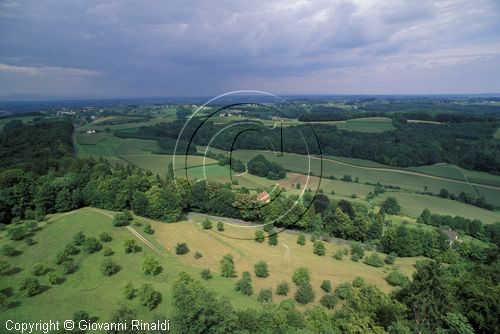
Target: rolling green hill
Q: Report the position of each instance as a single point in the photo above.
(88, 289)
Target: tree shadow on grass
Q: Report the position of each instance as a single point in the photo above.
(13, 271)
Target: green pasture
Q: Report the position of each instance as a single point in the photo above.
(411, 182)
(413, 204)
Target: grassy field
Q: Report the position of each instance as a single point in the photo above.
(116, 123)
(95, 293)
(413, 204)
(282, 259)
(411, 182)
(367, 124)
(131, 150)
(497, 133)
(100, 295)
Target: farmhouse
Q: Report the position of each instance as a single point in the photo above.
(264, 197)
(452, 236)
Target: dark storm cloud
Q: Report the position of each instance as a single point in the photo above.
(139, 48)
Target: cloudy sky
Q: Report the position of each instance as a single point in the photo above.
(88, 48)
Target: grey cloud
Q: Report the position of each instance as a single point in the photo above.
(184, 47)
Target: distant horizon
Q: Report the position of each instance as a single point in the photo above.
(44, 98)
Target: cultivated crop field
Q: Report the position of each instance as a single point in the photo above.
(405, 179)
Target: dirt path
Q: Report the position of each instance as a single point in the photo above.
(134, 232)
(153, 247)
(286, 254)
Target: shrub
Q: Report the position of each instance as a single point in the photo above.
(197, 255)
(396, 278)
(149, 297)
(265, 295)
(130, 246)
(129, 291)
(206, 224)
(355, 257)
(31, 225)
(301, 275)
(9, 250)
(358, 282)
(391, 206)
(181, 248)
(244, 285)
(68, 266)
(109, 268)
(81, 316)
(151, 266)
(301, 239)
(357, 249)
(5, 267)
(39, 270)
(105, 237)
(30, 287)
(326, 286)
(259, 236)
(328, 301)
(61, 257)
(220, 226)
(54, 278)
(79, 238)
(17, 232)
(30, 241)
(148, 229)
(122, 219)
(71, 249)
(272, 239)
(227, 266)
(107, 251)
(374, 260)
(344, 291)
(282, 289)
(205, 274)
(305, 293)
(338, 255)
(268, 227)
(319, 248)
(91, 245)
(261, 269)
(390, 259)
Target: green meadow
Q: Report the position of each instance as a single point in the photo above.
(87, 288)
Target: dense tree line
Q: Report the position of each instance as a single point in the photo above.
(35, 148)
(472, 227)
